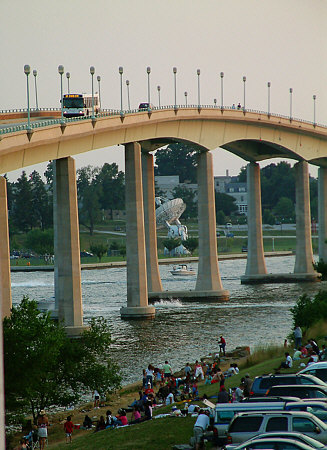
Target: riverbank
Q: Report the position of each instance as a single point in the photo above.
(161, 261)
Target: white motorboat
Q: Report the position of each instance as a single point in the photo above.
(182, 270)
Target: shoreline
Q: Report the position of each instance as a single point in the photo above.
(163, 261)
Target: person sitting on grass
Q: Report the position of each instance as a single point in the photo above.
(287, 364)
(87, 422)
(148, 411)
(109, 419)
(121, 418)
(101, 424)
(136, 416)
(68, 427)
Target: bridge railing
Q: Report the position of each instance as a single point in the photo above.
(115, 112)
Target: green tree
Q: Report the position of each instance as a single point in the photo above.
(268, 217)
(49, 175)
(111, 182)
(191, 244)
(188, 196)
(225, 203)
(99, 250)
(171, 244)
(88, 195)
(285, 208)
(23, 204)
(177, 159)
(220, 218)
(40, 241)
(44, 367)
(42, 204)
(242, 175)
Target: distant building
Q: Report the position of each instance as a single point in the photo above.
(167, 183)
(225, 184)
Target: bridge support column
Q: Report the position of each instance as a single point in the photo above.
(5, 294)
(255, 266)
(152, 267)
(5, 284)
(137, 290)
(68, 292)
(208, 279)
(322, 212)
(304, 257)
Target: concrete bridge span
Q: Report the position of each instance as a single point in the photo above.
(252, 136)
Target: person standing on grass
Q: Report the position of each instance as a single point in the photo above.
(68, 427)
(297, 337)
(42, 426)
(167, 370)
(201, 424)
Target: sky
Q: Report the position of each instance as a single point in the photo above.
(281, 41)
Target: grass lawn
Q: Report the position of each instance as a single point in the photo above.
(166, 432)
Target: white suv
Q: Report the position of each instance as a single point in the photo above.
(318, 369)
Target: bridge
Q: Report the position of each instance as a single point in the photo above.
(252, 135)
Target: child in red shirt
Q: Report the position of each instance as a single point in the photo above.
(68, 427)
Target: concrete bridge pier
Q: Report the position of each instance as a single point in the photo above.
(5, 284)
(303, 268)
(322, 212)
(5, 294)
(208, 283)
(255, 266)
(67, 267)
(152, 267)
(137, 290)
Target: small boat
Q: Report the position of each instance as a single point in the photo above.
(182, 270)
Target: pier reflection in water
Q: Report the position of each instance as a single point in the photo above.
(181, 332)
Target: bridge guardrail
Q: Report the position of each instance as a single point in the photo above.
(115, 112)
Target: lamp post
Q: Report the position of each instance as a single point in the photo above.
(121, 70)
(198, 74)
(128, 101)
(158, 89)
(268, 85)
(98, 80)
(36, 102)
(68, 77)
(222, 89)
(185, 93)
(27, 71)
(291, 102)
(244, 81)
(215, 102)
(148, 71)
(314, 110)
(61, 72)
(175, 94)
(92, 72)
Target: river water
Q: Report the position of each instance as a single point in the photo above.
(181, 332)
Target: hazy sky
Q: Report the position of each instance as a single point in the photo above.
(281, 41)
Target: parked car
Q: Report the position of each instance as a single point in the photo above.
(224, 413)
(318, 369)
(319, 409)
(247, 425)
(272, 443)
(85, 254)
(298, 437)
(270, 399)
(262, 384)
(304, 391)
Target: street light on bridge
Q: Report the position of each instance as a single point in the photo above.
(68, 77)
(198, 74)
(175, 72)
(215, 102)
(222, 90)
(128, 100)
(61, 72)
(98, 80)
(268, 85)
(121, 70)
(92, 72)
(185, 93)
(158, 89)
(244, 81)
(314, 110)
(291, 102)
(36, 102)
(27, 71)
(148, 70)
